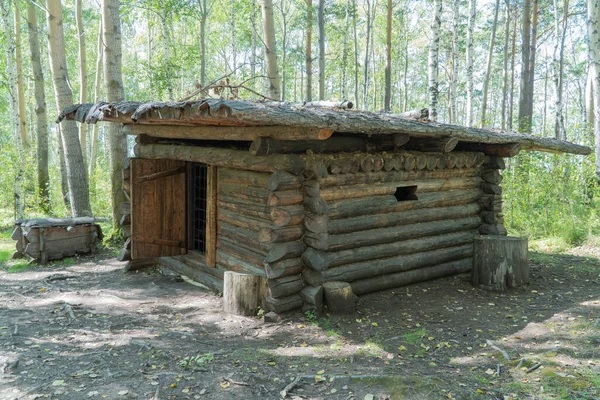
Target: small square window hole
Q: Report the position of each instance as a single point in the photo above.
(405, 193)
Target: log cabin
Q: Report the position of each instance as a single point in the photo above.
(307, 194)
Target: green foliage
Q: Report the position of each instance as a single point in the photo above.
(310, 316)
(198, 361)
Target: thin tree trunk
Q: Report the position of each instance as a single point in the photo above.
(76, 172)
(97, 88)
(367, 54)
(43, 178)
(321, 17)
(111, 25)
(388, 59)
(308, 54)
(545, 95)
(203, 17)
(64, 183)
(14, 114)
(524, 118)
(452, 117)
(470, 89)
(512, 72)
(505, 65)
(270, 49)
(434, 60)
(486, 81)
(343, 86)
(589, 96)
(20, 85)
(558, 67)
(593, 25)
(82, 75)
(284, 43)
(354, 18)
(166, 53)
(531, 70)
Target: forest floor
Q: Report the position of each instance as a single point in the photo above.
(83, 329)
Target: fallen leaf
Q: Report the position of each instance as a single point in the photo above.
(124, 392)
(402, 348)
(58, 383)
(224, 384)
(490, 371)
(321, 372)
(369, 397)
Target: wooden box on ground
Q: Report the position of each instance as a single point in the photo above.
(52, 238)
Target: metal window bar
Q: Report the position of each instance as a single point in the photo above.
(198, 212)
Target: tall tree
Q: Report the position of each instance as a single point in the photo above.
(434, 60)
(486, 81)
(76, 172)
(321, 17)
(308, 51)
(593, 28)
(97, 88)
(354, 30)
(20, 85)
(270, 49)
(43, 178)
(82, 73)
(205, 7)
(528, 66)
(454, 82)
(388, 59)
(505, 64)
(111, 24)
(558, 67)
(589, 95)
(369, 12)
(470, 90)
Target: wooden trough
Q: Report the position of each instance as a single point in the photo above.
(46, 239)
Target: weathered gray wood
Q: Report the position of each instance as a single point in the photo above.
(264, 146)
(242, 293)
(135, 265)
(250, 255)
(285, 286)
(489, 217)
(246, 178)
(281, 180)
(418, 113)
(500, 262)
(279, 269)
(396, 176)
(278, 235)
(243, 236)
(489, 229)
(318, 241)
(438, 145)
(316, 223)
(221, 157)
(389, 204)
(313, 295)
(287, 215)
(175, 265)
(124, 255)
(398, 233)
(48, 222)
(284, 251)
(16, 233)
(492, 176)
(244, 221)
(227, 261)
(285, 198)
(283, 304)
(321, 260)
(316, 205)
(495, 162)
(391, 281)
(339, 297)
(498, 150)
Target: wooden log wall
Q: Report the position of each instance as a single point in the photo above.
(365, 227)
(491, 202)
(259, 231)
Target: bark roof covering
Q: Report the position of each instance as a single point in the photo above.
(219, 112)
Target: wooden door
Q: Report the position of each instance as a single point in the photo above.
(158, 208)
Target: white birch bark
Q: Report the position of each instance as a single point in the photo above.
(470, 90)
(270, 49)
(97, 88)
(76, 172)
(486, 81)
(505, 65)
(557, 68)
(321, 17)
(82, 74)
(452, 117)
(593, 25)
(434, 60)
(589, 96)
(20, 85)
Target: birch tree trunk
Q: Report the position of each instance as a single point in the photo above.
(512, 73)
(366, 64)
(203, 18)
(558, 67)
(524, 119)
(343, 88)
(589, 95)
(20, 85)
(486, 81)
(111, 24)
(97, 88)
(452, 117)
(434, 60)
(321, 17)
(82, 75)
(43, 178)
(270, 49)
(505, 64)
(14, 114)
(76, 172)
(308, 54)
(164, 33)
(593, 25)
(354, 23)
(470, 91)
(388, 59)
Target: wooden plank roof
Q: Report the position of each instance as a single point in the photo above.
(236, 113)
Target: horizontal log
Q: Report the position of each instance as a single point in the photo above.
(314, 168)
(124, 255)
(56, 222)
(279, 269)
(251, 194)
(161, 174)
(384, 266)
(241, 207)
(367, 222)
(321, 260)
(489, 217)
(125, 220)
(287, 215)
(243, 221)
(497, 150)
(60, 248)
(243, 236)
(419, 113)
(389, 188)
(490, 188)
(194, 274)
(245, 178)
(221, 157)
(313, 295)
(492, 176)
(124, 208)
(278, 235)
(230, 262)
(389, 204)
(437, 145)
(250, 255)
(283, 304)
(283, 287)
(394, 176)
(60, 234)
(197, 260)
(285, 198)
(284, 251)
(135, 265)
(317, 240)
(264, 146)
(247, 133)
(398, 233)
(281, 180)
(413, 276)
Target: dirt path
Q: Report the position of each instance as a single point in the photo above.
(83, 329)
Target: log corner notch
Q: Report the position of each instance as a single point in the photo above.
(499, 262)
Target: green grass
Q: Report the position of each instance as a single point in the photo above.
(415, 337)
(20, 267)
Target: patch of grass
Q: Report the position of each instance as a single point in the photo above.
(415, 337)
(371, 349)
(66, 261)
(5, 255)
(553, 245)
(20, 267)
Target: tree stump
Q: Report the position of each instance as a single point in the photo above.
(499, 262)
(339, 297)
(242, 293)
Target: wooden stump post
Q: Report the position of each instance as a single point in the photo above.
(339, 297)
(499, 262)
(242, 293)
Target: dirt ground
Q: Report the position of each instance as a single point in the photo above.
(83, 329)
